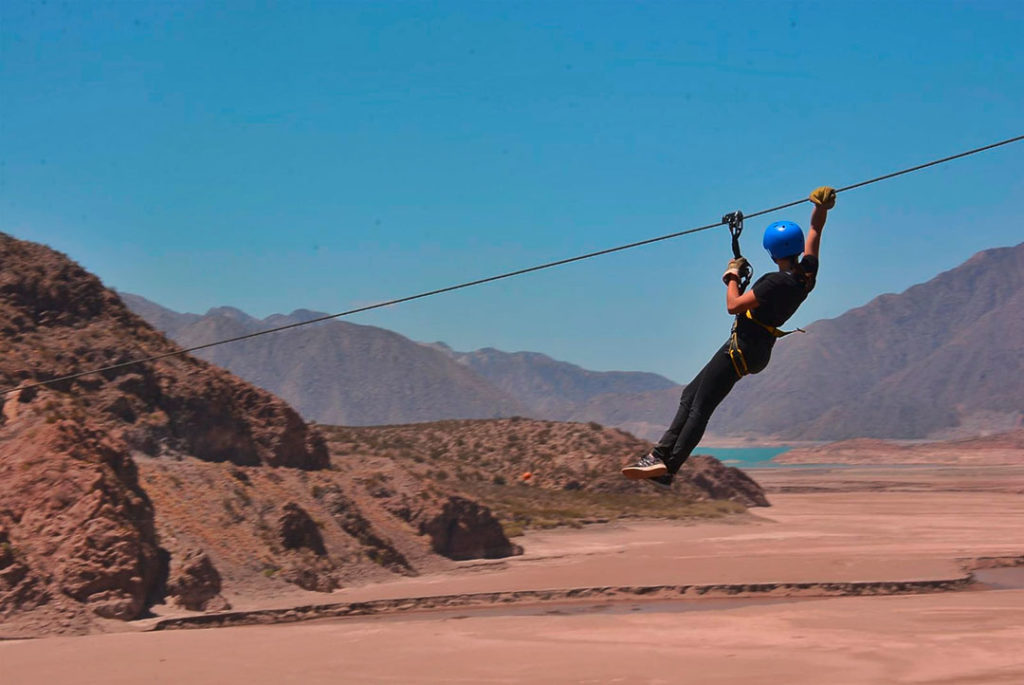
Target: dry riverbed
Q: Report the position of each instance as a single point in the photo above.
(851, 527)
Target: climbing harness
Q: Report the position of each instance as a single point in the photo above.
(776, 332)
(739, 361)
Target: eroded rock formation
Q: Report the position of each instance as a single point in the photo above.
(460, 528)
(723, 482)
(297, 530)
(195, 583)
(78, 528)
(162, 481)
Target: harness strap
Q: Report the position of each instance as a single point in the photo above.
(776, 332)
(739, 362)
(736, 356)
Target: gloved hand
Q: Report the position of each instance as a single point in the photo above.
(736, 268)
(825, 196)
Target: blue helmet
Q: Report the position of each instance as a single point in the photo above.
(783, 239)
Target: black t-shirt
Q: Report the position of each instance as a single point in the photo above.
(779, 294)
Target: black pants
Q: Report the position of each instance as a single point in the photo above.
(699, 400)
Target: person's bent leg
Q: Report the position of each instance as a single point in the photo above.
(663, 450)
(653, 465)
(717, 380)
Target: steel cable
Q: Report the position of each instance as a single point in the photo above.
(491, 279)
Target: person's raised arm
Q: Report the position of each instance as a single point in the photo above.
(824, 199)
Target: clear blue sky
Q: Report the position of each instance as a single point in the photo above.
(273, 156)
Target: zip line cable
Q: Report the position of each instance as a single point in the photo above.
(491, 279)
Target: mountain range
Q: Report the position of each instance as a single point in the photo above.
(341, 373)
(941, 359)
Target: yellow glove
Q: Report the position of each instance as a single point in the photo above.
(825, 196)
(735, 269)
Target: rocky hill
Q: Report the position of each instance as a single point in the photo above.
(167, 481)
(942, 357)
(542, 455)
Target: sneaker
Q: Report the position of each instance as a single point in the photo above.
(647, 466)
(663, 481)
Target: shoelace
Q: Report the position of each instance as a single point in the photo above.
(649, 460)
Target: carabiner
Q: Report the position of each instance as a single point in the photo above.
(735, 222)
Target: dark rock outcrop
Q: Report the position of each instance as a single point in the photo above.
(463, 529)
(195, 583)
(297, 530)
(19, 588)
(316, 574)
(308, 566)
(77, 525)
(457, 527)
(723, 482)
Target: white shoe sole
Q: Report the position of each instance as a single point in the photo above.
(641, 472)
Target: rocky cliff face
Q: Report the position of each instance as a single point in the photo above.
(171, 480)
(59, 320)
(79, 530)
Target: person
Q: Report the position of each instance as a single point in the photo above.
(759, 313)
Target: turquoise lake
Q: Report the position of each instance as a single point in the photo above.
(745, 457)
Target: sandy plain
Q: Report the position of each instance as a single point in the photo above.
(825, 526)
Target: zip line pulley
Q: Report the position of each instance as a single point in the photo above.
(735, 222)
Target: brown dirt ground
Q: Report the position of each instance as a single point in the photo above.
(889, 533)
